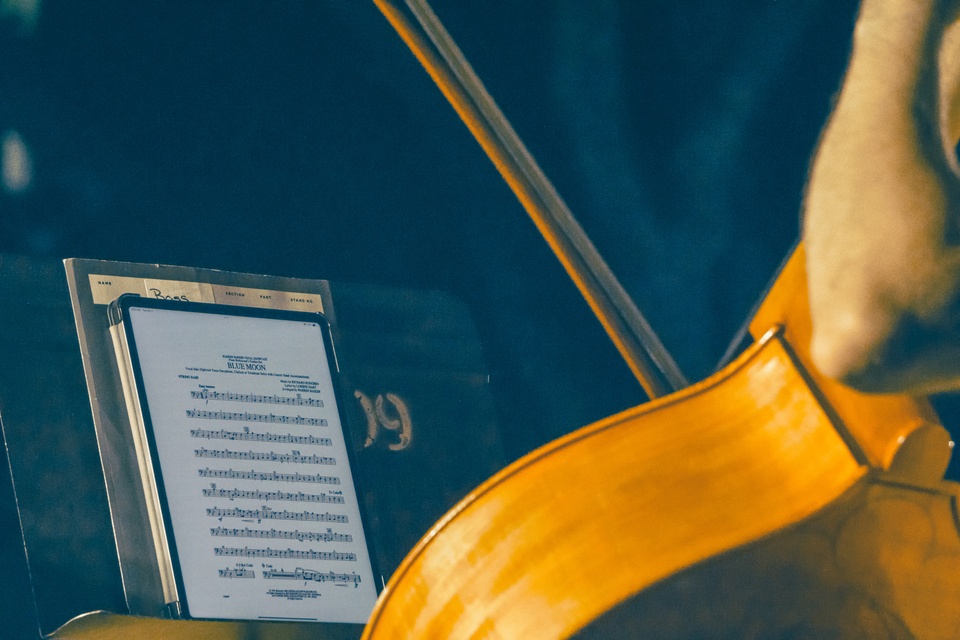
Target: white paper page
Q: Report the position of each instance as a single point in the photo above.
(254, 465)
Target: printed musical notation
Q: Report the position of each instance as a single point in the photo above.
(246, 416)
(302, 536)
(236, 573)
(315, 576)
(296, 554)
(256, 494)
(297, 400)
(266, 513)
(240, 434)
(259, 436)
(268, 476)
(268, 456)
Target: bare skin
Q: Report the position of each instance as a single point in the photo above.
(882, 212)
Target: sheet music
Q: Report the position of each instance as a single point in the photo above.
(254, 467)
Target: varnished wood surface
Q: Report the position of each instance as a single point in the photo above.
(876, 423)
(111, 626)
(879, 563)
(570, 535)
(566, 533)
(577, 528)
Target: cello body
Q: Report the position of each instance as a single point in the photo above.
(832, 501)
(825, 487)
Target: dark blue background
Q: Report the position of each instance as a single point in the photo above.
(302, 139)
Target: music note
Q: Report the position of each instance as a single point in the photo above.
(246, 416)
(236, 573)
(270, 456)
(266, 513)
(310, 575)
(297, 400)
(302, 536)
(298, 554)
(268, 476)
(260, 436)
(256, 494)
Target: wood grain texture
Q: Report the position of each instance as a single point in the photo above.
(877, 423)
(880, 563)
(111, 626)
(566, 533)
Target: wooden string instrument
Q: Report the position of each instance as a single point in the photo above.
(568, 539)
